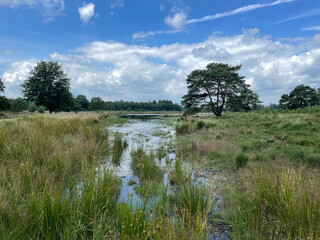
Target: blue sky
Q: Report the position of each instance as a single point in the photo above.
(143, 50)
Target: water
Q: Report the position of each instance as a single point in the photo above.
(151, 135)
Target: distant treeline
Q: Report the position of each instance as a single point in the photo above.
(81, 103)
(97, 103)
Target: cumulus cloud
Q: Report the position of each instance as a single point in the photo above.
(49, 8)
(86, 12)
(16, 74)
(115, 70)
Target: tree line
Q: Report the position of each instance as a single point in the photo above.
(48, 88)
(217, 88)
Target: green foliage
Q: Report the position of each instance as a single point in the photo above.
(18, 105)
(211, 89)
(118, 146)
(81, 103)
(96, 103)
(144, 166)
(132, 221)
(300, 97)
(281, 205)
(41, 160)
(193, 198)
(41, 109)
(4, 103)
(245, 101)
(200, 124)
(182, 128)
(177, 175)
(241, 160)
(48, 86)
(32, 107)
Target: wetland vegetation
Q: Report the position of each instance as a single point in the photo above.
(87, 176)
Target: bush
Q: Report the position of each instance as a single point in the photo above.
(241, 160)
(18, 105)
(32, 107)
(41, 109)
(182, 129)
(200, 124)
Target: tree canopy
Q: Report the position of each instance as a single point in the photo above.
(301, 96)
(48, 86)
(216, 88)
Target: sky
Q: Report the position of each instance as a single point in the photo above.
(141, 50)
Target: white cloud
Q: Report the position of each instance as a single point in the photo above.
(115, 70)
(117, 4)
(48, 8)
(86, 11)
(178, 20)
(141, 35)
(162, 7)
(313, 28)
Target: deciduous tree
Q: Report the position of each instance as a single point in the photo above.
(49, 86)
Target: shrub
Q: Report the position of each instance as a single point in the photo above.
(41, 109)
(182, 129)
(241, 160)
(200, 124)
(32, 107)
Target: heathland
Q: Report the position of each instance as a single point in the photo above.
(264, 166)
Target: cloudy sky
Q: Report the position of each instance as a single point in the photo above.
(144, 49)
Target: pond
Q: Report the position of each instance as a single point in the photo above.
(150, 135)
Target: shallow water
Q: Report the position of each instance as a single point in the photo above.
(151, 135)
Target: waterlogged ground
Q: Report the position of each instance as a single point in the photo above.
(152, 135)
(149, 134)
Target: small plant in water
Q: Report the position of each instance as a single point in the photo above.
(161, 153)
(118, 146)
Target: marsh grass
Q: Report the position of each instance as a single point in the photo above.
(282, 205)
(119, 145)
(144, 166)
(276, 196)
(177, 175)
(42, 161)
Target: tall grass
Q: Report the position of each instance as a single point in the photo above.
(144, 166)
(281, 205)
(41, 158)
(119, 145)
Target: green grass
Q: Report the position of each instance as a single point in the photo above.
(144, 166)
(275, 195)
(52, 188)
(119, 145)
